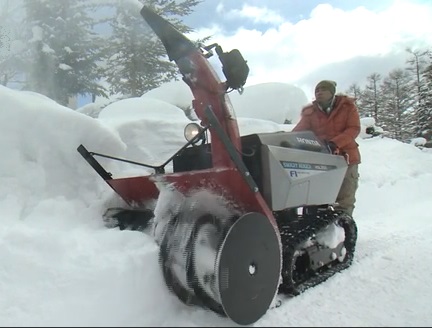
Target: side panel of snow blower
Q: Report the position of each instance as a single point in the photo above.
(227, 219)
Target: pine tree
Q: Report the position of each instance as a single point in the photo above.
(424, 112)
(64, 50)
(372, 99)
(5, 54)
(11, 45)
(399, 101)
(355, 92)
(417, 66)
(137, 60)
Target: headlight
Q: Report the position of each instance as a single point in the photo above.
(192, 130)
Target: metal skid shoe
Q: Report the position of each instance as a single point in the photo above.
(231, 268)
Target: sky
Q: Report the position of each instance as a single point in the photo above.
(302, 42)
(62, 266)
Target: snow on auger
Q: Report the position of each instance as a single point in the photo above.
(240, 219)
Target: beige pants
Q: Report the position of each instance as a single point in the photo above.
(346, 197)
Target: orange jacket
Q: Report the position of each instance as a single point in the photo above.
(342, 126)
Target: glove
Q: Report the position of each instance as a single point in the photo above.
(334, 149)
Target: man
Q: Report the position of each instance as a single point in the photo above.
(335, 120)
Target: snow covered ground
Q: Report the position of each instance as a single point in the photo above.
(60, 266)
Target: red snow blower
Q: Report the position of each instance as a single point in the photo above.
(239, 219)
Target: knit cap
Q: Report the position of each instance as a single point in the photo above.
(328, 85)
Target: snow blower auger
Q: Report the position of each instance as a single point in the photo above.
(239, 220)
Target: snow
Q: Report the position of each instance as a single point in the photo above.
(61, 266)
(176, 93)
(369, 122)
(65, 67)
(253, 103)
(420, 141)
(37, 34)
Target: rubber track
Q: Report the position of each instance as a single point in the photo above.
(295, 233)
